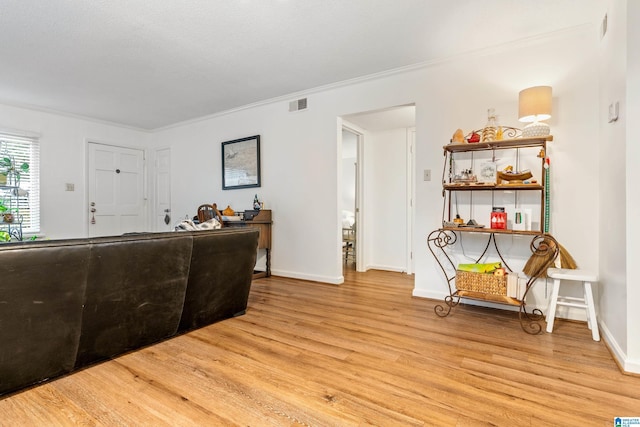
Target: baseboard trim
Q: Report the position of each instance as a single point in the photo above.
(386, 268)
(626, 365)
(338, 280)
(423, 293)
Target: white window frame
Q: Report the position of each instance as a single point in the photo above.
(26, 148)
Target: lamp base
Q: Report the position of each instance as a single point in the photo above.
(535, 129)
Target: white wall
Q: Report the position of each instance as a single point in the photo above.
(613, 310)
(632, 187)
(63, 143)
(300, 154)
(619, 156)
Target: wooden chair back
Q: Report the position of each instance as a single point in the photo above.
(206, 212)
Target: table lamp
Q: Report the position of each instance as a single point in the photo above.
(535, 105)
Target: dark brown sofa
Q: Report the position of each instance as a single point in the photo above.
(67, 304)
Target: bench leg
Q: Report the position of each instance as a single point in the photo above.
(553, 302)
(591, 312)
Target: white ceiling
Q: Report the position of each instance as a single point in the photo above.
(153, 63)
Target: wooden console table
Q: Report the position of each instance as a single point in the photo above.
(262, 221)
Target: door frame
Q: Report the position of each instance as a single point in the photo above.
(145, 180)
(362, 258)
(411, 196)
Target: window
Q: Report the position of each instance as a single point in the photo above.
(22, 149)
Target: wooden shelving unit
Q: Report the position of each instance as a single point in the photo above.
(447, 235)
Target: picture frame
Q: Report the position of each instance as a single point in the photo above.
(488, 173)
(241, 163)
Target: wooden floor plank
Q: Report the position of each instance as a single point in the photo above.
(362, 353)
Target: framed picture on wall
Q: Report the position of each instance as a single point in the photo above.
(241, 163)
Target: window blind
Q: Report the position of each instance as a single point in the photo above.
(24, 149)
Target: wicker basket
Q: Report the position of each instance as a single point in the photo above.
(486, 283)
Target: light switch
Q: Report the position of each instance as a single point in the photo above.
(427, 174)
(70, 187)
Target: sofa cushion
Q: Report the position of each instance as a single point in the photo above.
(135, 291)
(222, 264)
(42, 287)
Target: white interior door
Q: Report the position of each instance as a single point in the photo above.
(163, 219)
(116, 190)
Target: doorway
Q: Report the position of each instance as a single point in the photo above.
(351, 139)
(385, 186)
(115, 190)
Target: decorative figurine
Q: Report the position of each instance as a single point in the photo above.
(458, 137)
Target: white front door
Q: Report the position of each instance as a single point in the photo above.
(116, 190)
(163, 219)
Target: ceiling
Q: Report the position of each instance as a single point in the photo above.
(149, 64)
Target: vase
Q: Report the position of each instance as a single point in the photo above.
(490, 130)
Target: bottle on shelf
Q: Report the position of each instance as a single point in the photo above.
(490, 131)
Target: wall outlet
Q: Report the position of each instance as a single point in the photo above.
(427, 174)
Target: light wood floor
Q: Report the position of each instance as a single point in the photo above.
(364, 353)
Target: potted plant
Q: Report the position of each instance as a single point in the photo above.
(5, 212)
(11, 170)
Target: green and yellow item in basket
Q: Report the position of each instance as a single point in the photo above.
(480, 268)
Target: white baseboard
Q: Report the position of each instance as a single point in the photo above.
(632, 366)
(628, 365)
(386, 268)
(422, 293)
(338, 280)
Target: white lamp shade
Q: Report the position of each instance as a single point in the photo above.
(534, 104)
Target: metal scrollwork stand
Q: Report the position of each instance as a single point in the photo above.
(545, 250)
(437, 241)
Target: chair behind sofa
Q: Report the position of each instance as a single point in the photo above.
(207, 212)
